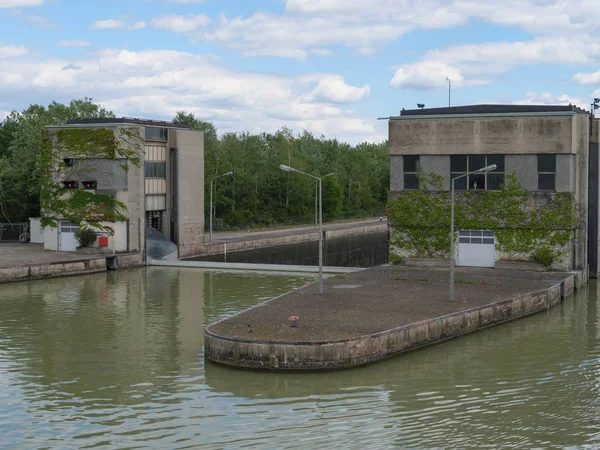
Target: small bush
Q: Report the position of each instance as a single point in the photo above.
(544, 255)
(86, 237)
(396, 259)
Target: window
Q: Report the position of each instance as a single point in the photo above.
(70, 184)
(546, 172)
(490, 181)
(156, 134)
(89, 185)
(411, 172)
(155, 169)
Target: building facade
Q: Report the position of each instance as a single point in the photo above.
(166, 192)
(548, 148)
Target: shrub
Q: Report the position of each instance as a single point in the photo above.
(544, 255)
(86, 237)
(396, 259)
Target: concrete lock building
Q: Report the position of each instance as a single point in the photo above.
(166, 193)
(549, 148)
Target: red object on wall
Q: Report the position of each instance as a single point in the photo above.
(103, 241)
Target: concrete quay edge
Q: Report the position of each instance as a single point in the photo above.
(366, 349)
(252, 266)
(29, 272)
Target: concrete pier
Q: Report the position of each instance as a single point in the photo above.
(377, 313)
(21, 262)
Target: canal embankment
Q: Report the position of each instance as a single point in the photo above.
(355, 244)
(377, 313)
(21, 262)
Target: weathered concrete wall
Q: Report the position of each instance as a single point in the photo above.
(36, 271)
(329, 355)
(134, 196)
(439, 165)
(525, 168)
(190, 192)
(396, 173)
(109, 174)
(230, 247)
(520, 135)
(565, 173)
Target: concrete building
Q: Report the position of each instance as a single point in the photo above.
(549, 148)
(166, 193)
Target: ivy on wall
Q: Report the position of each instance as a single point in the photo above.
(527, 225)
(77, 205)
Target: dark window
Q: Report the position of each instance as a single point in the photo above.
(89, 184)
(156, 134)
(411, 172)
(491, 181)
(546, 172)
(70, 184)
(69, 162)
(155, 169)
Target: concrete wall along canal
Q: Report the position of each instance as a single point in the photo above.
(360, 350)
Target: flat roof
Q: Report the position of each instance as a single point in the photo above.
(492, 110)
(131, 120)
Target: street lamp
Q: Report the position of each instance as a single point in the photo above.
(320, 196)
(211, 197)
(449, 89)
(317, 194)
(482, 170)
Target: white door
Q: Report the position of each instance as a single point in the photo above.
(476, 248)
(68, 241)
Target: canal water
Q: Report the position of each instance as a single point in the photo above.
(115, 360)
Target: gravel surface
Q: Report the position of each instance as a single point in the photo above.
(376, 300)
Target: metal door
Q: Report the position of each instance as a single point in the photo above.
(476, 248)
(68, 241)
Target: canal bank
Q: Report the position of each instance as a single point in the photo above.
(374, 314)
(22, 262)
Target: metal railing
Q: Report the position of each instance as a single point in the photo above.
(13, 232)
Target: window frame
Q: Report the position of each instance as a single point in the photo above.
(150, 169)
(161, 131)
(411, 174)
(464, 184)
(546, 173)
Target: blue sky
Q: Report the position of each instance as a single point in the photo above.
(329, 66)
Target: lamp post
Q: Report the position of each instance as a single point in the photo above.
(320, 196)
(211, 197)
(449, 89)
(316, 196)
(482, 170)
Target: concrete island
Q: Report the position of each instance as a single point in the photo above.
(377, 313)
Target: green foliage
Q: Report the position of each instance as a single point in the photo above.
(544, 255)
(20, 141)
(523, 222)
(260, 194)
(396, 259)
(85, 237)
(80, 206)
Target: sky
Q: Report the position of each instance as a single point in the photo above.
(332, 67)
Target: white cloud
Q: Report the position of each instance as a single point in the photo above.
(546, 98)
(157, 83)
(74, 43)
(367, 26)
(181, 24)
(111, 24)
(335, 90)
(472, 64)
(11, 51)
(19, 3)
(587, 78)
(42, 22)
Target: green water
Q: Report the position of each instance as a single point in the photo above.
(116, 360)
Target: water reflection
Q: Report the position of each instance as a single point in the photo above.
(115, 360)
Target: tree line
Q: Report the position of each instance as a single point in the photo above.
(258, 193)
